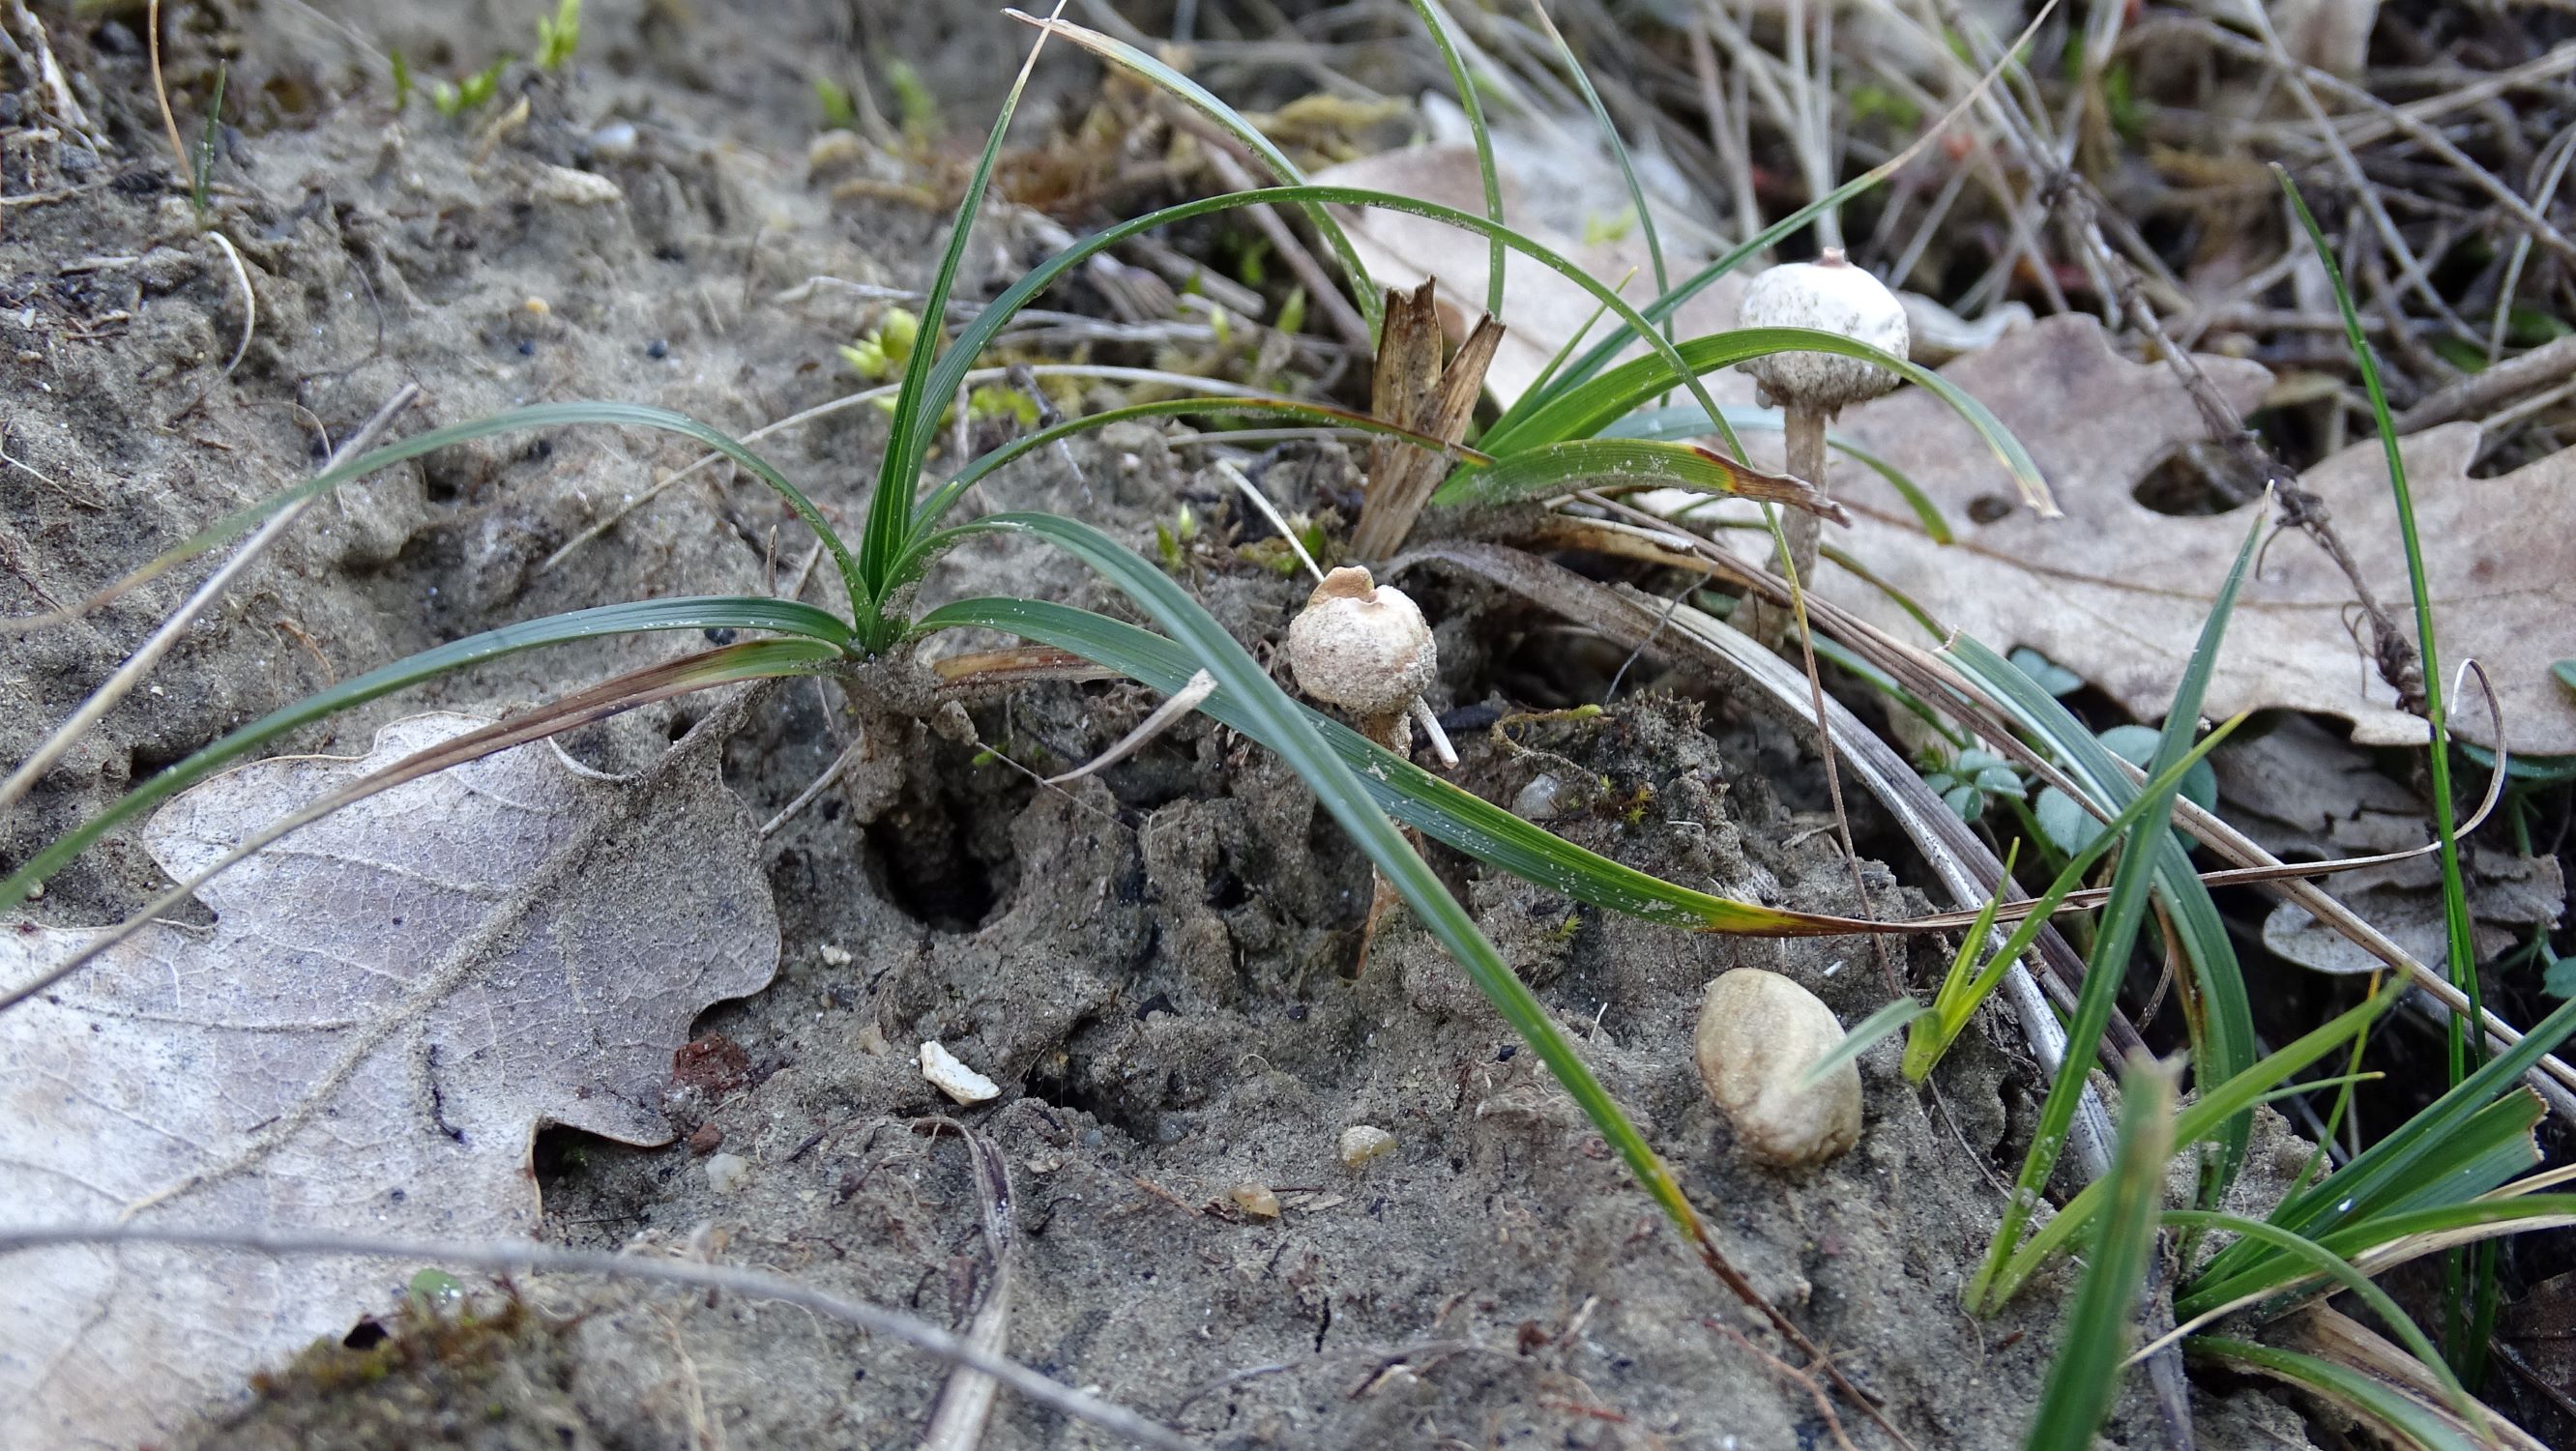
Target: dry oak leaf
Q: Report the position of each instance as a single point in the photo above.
(2305, 794)
(388, 1006)
(2116, 592)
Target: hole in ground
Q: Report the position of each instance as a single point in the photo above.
(943, 851)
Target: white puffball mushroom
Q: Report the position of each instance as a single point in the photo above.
(951, 1076)
(725, 1172)
(1758, 1035)
(1362, 646)
(1361, 1143)
(1829, 295)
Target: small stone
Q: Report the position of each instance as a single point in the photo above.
(954, 1078)
(1363, 1142)
(537, 307)
(564, 186)
(706, 1140)
(1758, 1035)
(614, 141)
(725, 1172)
(834, 954)
(1538, 800)
(1254, 1198)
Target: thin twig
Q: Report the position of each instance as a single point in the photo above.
(1219, 149)
(967, 1401)
(1179, 703)
(857, 747)
(1261, 501)
(160, 92)
(2543, 366)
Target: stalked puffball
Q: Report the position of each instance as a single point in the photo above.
(1829, 295)
(1361, 645)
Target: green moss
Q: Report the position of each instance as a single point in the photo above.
(442, 1373)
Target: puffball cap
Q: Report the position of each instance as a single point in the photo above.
(1828, 295)
(1361, 645)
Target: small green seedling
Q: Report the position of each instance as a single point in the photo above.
(914, 102)
(559, 37)
(454, 98)
(840, 110)
(203, 169)
(882, 353)
(1973, 780)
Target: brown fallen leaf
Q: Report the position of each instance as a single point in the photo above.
(389, 1005)
(2116, 592)
(2307, 795)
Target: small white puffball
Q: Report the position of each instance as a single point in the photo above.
(1361, 645)
(1758, 1035)
(952, 1077)
(725, 1172)
(1363, 1142)
(1828, 295)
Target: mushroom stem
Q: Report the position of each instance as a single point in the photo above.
(1805, 432)
(1395, 732)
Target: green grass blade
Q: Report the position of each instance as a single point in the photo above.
(1566, 349)
(1665, 425)
(1618, 145)
(1584, 463)
(1868, 1033)
(1435, 20)
(2467, 1336)
(2084, 1378)
(2317, 1260)
(2394, 1158)
(2481, 1154)
(916, 408)
(936, 504)
(543, 415)
(2455, 911)
(979, 333)
(2122, 916)
(828, 634)
(1586, 410)
(2223, 1033)
(2489, 1216)
(2210, 1111)
(1198, 98)
(2158, 794)
(1340, 791)
(1441, 810)
(2375, 1399)
(1598, 356)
